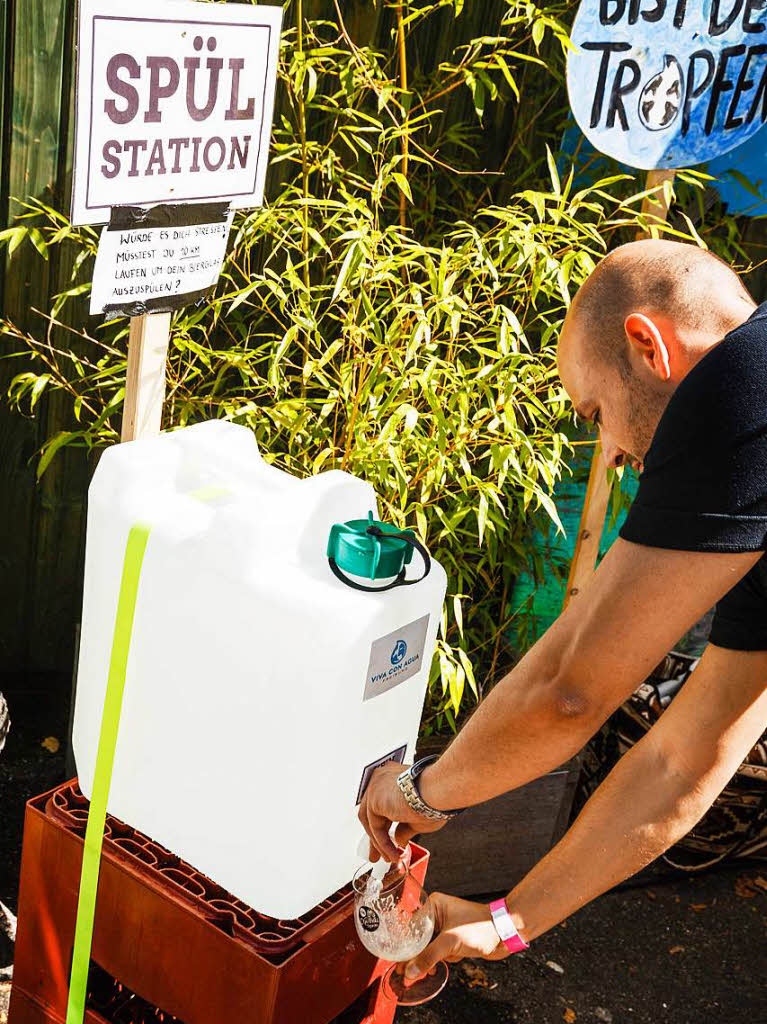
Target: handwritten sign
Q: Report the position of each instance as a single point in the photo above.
(174, 103)
(669, 83)
(158, 260)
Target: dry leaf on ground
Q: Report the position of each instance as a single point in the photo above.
(569, 1015)
(478, 977)
(747, 888)
(676, 949)
(51, 744)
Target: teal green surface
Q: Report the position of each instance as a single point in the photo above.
(538, 594)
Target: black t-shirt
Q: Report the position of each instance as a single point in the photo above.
(704, 482)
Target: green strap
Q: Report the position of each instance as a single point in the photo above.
(110, 726)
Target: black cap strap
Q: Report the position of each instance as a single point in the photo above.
(400, 581)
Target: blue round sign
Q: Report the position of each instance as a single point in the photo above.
(668, 83)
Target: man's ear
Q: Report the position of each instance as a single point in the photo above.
(645, 338)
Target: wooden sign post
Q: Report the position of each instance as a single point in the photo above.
(590, 527)
(145, 382)
(586, 553)
(146, 141)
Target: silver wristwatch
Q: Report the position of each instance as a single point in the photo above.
(409, 789)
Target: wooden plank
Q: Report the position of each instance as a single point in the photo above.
(145, 384)
(38, 33)
(656, 206)
(590, 528)
(55, 575)
(494, 845)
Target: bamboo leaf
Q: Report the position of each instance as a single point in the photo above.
(404, 185)
(348, 267)
(52, 446)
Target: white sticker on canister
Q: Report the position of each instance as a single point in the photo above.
(396, 657)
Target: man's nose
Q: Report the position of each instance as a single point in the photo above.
(613, 455)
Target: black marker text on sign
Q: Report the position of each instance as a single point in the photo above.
(163, 155)
(732, 82)
(174, 104)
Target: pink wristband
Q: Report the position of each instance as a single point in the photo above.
(507, 931)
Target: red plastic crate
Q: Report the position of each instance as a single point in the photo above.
(170, 946)
(266, 934)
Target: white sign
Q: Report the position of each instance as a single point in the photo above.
(156, 269)
(174, 103)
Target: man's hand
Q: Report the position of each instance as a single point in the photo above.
(383, 804)
(463, 929)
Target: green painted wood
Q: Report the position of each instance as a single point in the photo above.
(538, 594)
(38, 30)
(55, 576)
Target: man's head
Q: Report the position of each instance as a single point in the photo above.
(647, 314)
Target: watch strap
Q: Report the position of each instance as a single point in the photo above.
(507, 930)
(408, 786)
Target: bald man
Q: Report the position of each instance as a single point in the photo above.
(665, 351)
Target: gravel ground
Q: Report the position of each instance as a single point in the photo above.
(32, 762)
(682, 952)
(5, 995)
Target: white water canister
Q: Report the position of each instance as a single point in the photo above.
(262, 685)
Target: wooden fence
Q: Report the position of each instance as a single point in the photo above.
(41, 525)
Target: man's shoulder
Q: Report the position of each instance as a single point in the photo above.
(704, 483)
(723, 396)
(739, 356)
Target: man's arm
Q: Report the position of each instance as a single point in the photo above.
(656, 793)
(637, 605)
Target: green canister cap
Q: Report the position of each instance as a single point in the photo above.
(370, 549)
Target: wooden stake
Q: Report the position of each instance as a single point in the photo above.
(592, 522)
(656, 206)
(590, 527)
(145, 383)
